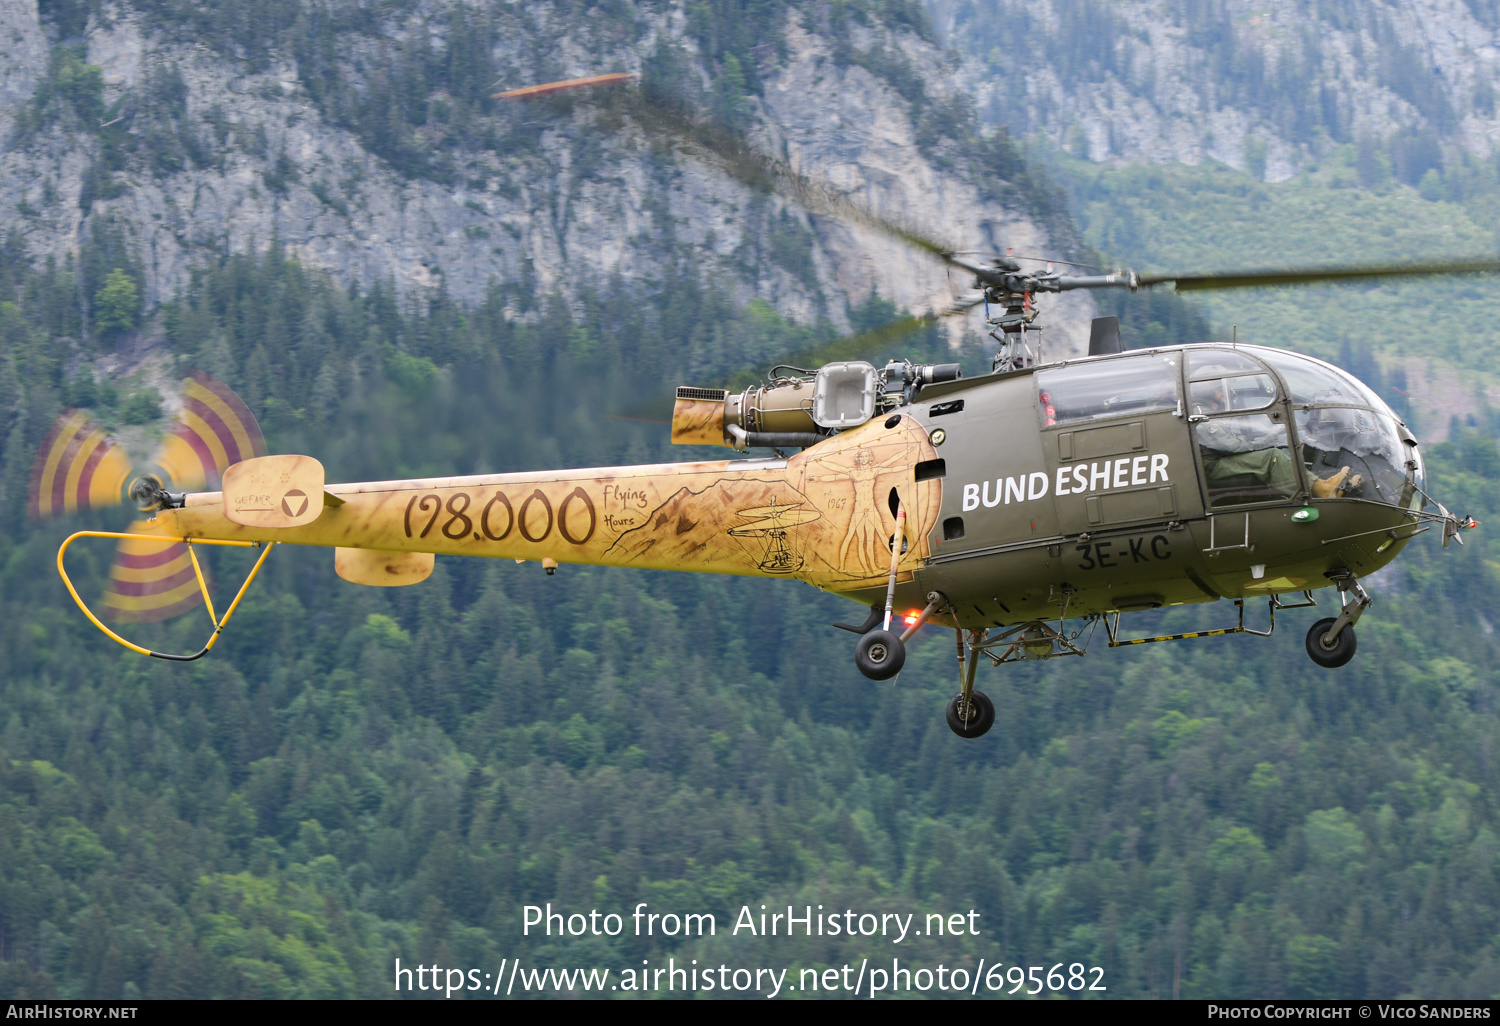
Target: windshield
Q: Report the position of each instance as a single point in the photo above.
(1313, 381)
(1360, 453)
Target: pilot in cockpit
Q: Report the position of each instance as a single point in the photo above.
(1254, 448)
(1326, 432)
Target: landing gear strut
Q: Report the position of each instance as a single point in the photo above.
(880, 654)
(1331, 641)
(971, 713)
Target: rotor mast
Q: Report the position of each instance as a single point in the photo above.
(1007, 286)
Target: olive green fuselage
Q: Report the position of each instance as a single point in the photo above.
(1111, 513)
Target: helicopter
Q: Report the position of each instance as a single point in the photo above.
(1000, 506)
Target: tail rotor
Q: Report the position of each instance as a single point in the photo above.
(82, 467)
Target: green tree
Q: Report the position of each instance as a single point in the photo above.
(141, 406)
(1312, 967)
(117, 305)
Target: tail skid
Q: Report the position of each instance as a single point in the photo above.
(198, 572)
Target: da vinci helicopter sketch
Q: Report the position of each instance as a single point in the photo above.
(1000, 506)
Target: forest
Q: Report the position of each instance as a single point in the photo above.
(357, 776)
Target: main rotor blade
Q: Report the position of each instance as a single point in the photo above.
(565, 86)
(1260, 278)
(736, 156)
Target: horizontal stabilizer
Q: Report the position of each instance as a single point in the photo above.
(378, 568)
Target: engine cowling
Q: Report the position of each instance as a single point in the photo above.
(795, 412)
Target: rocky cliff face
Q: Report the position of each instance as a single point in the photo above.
(189, 142)
(1258, 85)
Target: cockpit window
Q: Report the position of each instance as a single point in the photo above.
(1216, 363)
(1108, 388)
(1246, 459)
(1244, 392)
(1312, 381)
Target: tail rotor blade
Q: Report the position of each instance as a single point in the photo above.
(214, 431)
(78, 467)
(151, 579)
(737, 157)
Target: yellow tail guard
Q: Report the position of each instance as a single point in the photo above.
(274, 491)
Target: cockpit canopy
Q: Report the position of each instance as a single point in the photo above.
(1341, 422)
(1234, 398)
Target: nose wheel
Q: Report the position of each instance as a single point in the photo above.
(1331, 641)
(881, 652)
(1329, 649)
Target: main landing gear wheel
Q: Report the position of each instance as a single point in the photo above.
(1330, 652)
(974, 721)
(879, 655)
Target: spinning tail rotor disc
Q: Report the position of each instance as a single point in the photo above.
(80, 467)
